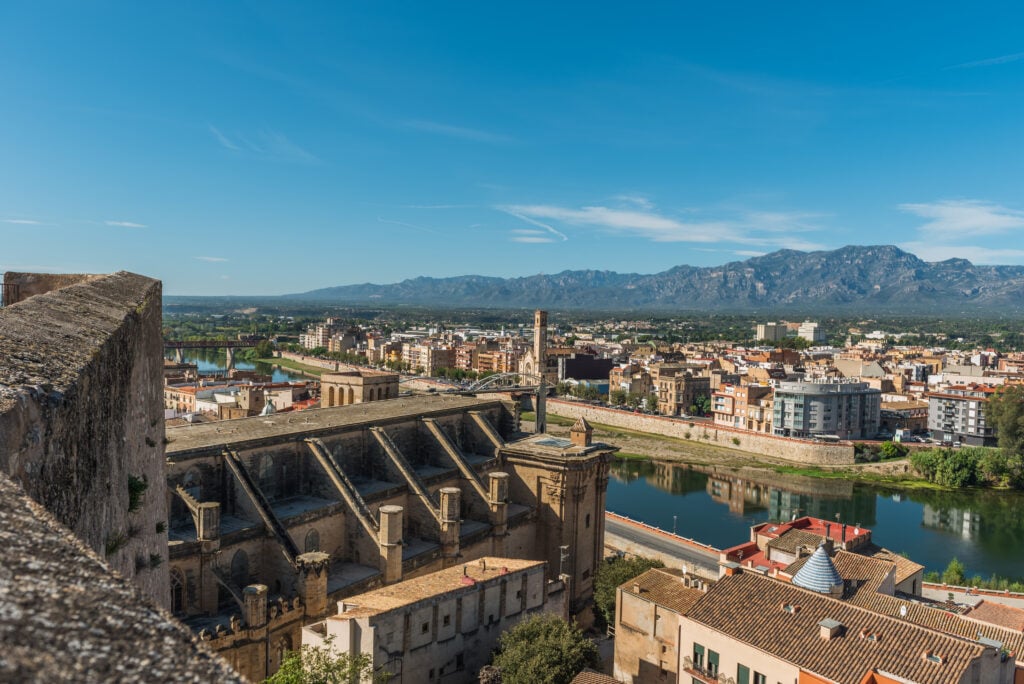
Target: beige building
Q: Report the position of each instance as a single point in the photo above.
(752, 629)
(341, 501)
(443, 626)
(677, 392)
(357, 387)
(647, 612)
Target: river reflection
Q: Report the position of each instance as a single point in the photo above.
(215, 361)
(717, 505)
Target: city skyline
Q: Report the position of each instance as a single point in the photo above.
(217, 148)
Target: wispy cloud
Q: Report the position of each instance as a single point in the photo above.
(534, 222)
(991, 61)
(223, 139)
(460, 132)
(750, 228)
(23, 222)
(439, 206)
(125, 224)
(646, 223)
(930, 251)
(406, 225)
(635, 200)
(953, 219)
(210, 259)
(748, 253)
(264, 143)
(529, 236)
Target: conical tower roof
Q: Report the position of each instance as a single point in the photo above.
(581, 425)
(819, 573)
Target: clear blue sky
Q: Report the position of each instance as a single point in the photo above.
(264, 148)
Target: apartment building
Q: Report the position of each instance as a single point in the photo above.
(956, 413)
(830, 407)
(677, 393)
(771, 332)
(741, 406)
(812, 332)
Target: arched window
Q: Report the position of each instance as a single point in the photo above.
(330, 395)
(312, 541)
(351, 396)
(281, 648)
(240, 569)
(177, 591)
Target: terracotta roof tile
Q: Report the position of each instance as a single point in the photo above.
(665, 587)
(795, 637)
(999, 614)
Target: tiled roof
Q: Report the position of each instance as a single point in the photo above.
(665, 587)
(790, 540)
(748, 607)
(435, 584)
(818, 573)
(904, 566)
(999, 614)
(859, 573)
(592, 677)
(938, 619)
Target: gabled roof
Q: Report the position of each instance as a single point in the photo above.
(750, 608)
(581, 425)
(665, 587)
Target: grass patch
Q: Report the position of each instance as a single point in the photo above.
(295, 366)
(627, 456)
(552, 419)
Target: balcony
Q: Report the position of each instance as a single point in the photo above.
(703, 674)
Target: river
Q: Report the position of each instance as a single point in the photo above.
(215, 360)
(717, 506)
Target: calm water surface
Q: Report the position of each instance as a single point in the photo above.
(214, 360)
(718, 505)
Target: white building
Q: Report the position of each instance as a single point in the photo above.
(442, 626)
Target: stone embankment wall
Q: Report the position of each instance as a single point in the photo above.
(313, 361)
(705, 432)
(81, 413)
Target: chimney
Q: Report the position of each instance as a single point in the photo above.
(830, 629)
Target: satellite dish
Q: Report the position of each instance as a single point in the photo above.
(903, 611)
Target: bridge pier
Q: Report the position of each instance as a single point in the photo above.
(230, 352)
(179, 355)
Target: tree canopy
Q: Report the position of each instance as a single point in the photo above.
(321, 665)
(610, 575)
(545, 649)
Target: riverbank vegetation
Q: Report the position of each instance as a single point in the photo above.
(955, 574)
(611, 574)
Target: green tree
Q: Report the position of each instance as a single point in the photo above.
(617, 397)
(613, 573)
(701, 405)
(544, 649)
(264, 349)
(957, 468)
(954, 573)
(1005, 412)
(890, 450)
(321, 665)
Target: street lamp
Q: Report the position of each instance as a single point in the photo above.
(674, 523)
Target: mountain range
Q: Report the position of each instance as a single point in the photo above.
(880, 278)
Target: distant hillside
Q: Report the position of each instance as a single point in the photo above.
(883, 278)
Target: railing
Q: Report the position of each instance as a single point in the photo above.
(411, 478)
(453, 452)
(348, 492)
(266, 513)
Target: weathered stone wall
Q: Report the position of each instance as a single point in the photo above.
(795, 450)
(21, 286)
(81, 424)
(80, 413)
